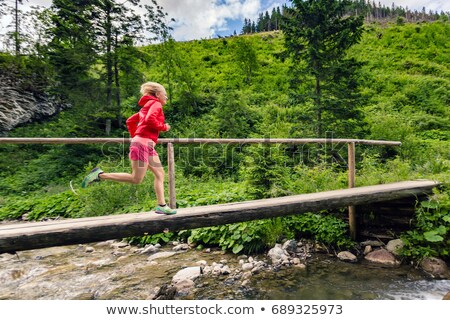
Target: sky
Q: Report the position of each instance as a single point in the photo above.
(202, 19)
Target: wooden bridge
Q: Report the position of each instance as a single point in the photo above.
(34, 235)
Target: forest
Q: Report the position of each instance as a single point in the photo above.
(368, 80)
(371, 11)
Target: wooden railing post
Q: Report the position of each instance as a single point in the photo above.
(351, 184)
(171, 173)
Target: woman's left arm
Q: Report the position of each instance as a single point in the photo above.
(154, 115)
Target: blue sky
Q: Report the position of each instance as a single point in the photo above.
(203, 19)
(207, 18)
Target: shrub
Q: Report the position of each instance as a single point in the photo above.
(431, 234)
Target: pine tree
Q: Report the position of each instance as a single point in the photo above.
(317, 37)
(72, 45)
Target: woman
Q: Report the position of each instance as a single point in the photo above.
(144, 128)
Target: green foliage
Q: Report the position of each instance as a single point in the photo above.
(373, 170)
(63, 204)
(40, 168)
(431, 234)
(246, 56)
(264, 170)
(255, 236)
(239, 237)
(71, 49)
(321, 177)
(161, 238)
(324, 228)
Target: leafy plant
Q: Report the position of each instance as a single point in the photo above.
(431, 233)
(324, 228)
(248, 237)
(264, 171)
(64, 204)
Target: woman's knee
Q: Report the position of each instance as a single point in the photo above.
(137, 179)
(159, 174)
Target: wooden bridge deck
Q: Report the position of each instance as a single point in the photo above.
(34, 235)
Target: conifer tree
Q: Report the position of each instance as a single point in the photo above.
(317, 37)
(71, 49)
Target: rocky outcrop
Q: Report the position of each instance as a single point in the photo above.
(20, 105)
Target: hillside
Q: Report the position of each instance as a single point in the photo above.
(215, 93)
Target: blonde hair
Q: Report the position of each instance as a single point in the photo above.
(152, 88)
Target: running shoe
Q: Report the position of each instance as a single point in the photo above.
(93, 176)
(165, 210)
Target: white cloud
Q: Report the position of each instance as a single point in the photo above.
(203, 18)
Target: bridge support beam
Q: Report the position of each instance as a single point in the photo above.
(171, 173)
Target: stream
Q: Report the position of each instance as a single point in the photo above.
(112, 270)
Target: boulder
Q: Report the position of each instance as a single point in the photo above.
(347, 256)
(382, 256)
(290, 246)
(436, 267)
(372, 243)
(225, 270)
(166, 292)
(394, 246)
(277, 254)
(148, 249)
(184, 287)
(247, 266)
(160, 255)
(190, 273)
(181, 247)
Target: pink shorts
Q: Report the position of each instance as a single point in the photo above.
(141, 152)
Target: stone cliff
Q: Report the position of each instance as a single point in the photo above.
(20, 104)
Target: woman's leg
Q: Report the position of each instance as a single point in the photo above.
(158, 171)
(139, 169)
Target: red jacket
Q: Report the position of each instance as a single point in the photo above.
(149, 121)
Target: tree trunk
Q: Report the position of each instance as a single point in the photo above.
(318, 102)
(117, 81)
(17, 31)
(109, 71)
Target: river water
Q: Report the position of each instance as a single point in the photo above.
(107, 271)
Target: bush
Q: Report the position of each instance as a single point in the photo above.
(64, 204)
(324, 228)
(431, 234)
(264, 170)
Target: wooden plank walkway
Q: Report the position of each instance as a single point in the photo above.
(34, 235)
